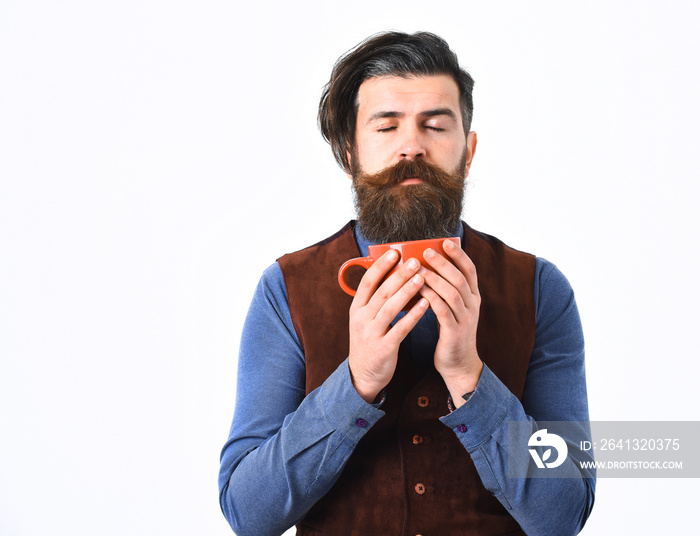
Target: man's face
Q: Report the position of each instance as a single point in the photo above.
(405, 118)
(410, 159)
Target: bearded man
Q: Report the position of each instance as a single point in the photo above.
(353, 417)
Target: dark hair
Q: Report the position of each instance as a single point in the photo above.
(384, 54)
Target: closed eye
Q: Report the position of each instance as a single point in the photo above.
(386, 129)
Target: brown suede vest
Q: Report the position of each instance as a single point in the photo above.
(410, 475)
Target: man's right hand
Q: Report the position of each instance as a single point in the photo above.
(374, 343)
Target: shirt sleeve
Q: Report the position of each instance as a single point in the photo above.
(555, 390)
(284, 450)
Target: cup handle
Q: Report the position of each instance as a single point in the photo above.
(364, 262)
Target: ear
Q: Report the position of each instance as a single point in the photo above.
(349, 156)
(471, 149)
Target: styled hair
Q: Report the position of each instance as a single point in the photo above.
(384, 54)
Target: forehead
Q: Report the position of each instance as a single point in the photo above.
(407, 95)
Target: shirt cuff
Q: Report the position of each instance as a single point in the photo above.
(477, 419)
(345, 409)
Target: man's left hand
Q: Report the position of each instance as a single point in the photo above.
(453, 293)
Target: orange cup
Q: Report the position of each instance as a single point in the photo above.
(407, 250)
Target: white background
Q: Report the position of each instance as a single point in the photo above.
(156, 156)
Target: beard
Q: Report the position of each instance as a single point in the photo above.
(391, 212)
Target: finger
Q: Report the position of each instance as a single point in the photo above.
(373, 277)
(445, 314)
(464, 264)
(442, 266)
(447, 280)
(402, 328)
(393, 284)
(396, 303)
(450, 295)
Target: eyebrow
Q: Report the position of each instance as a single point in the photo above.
(427, 113)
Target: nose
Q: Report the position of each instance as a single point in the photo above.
(411, 144)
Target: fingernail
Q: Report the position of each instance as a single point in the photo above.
(413, 264)
(417, 279)
(393, 255)
(423, 302)
(449, 244)
(429, 253)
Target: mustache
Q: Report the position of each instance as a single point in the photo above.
(407, 169)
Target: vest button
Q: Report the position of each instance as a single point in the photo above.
(420, 488)
(423, 401)
(417, 440)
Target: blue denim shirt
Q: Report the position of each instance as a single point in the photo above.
(285, 450)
